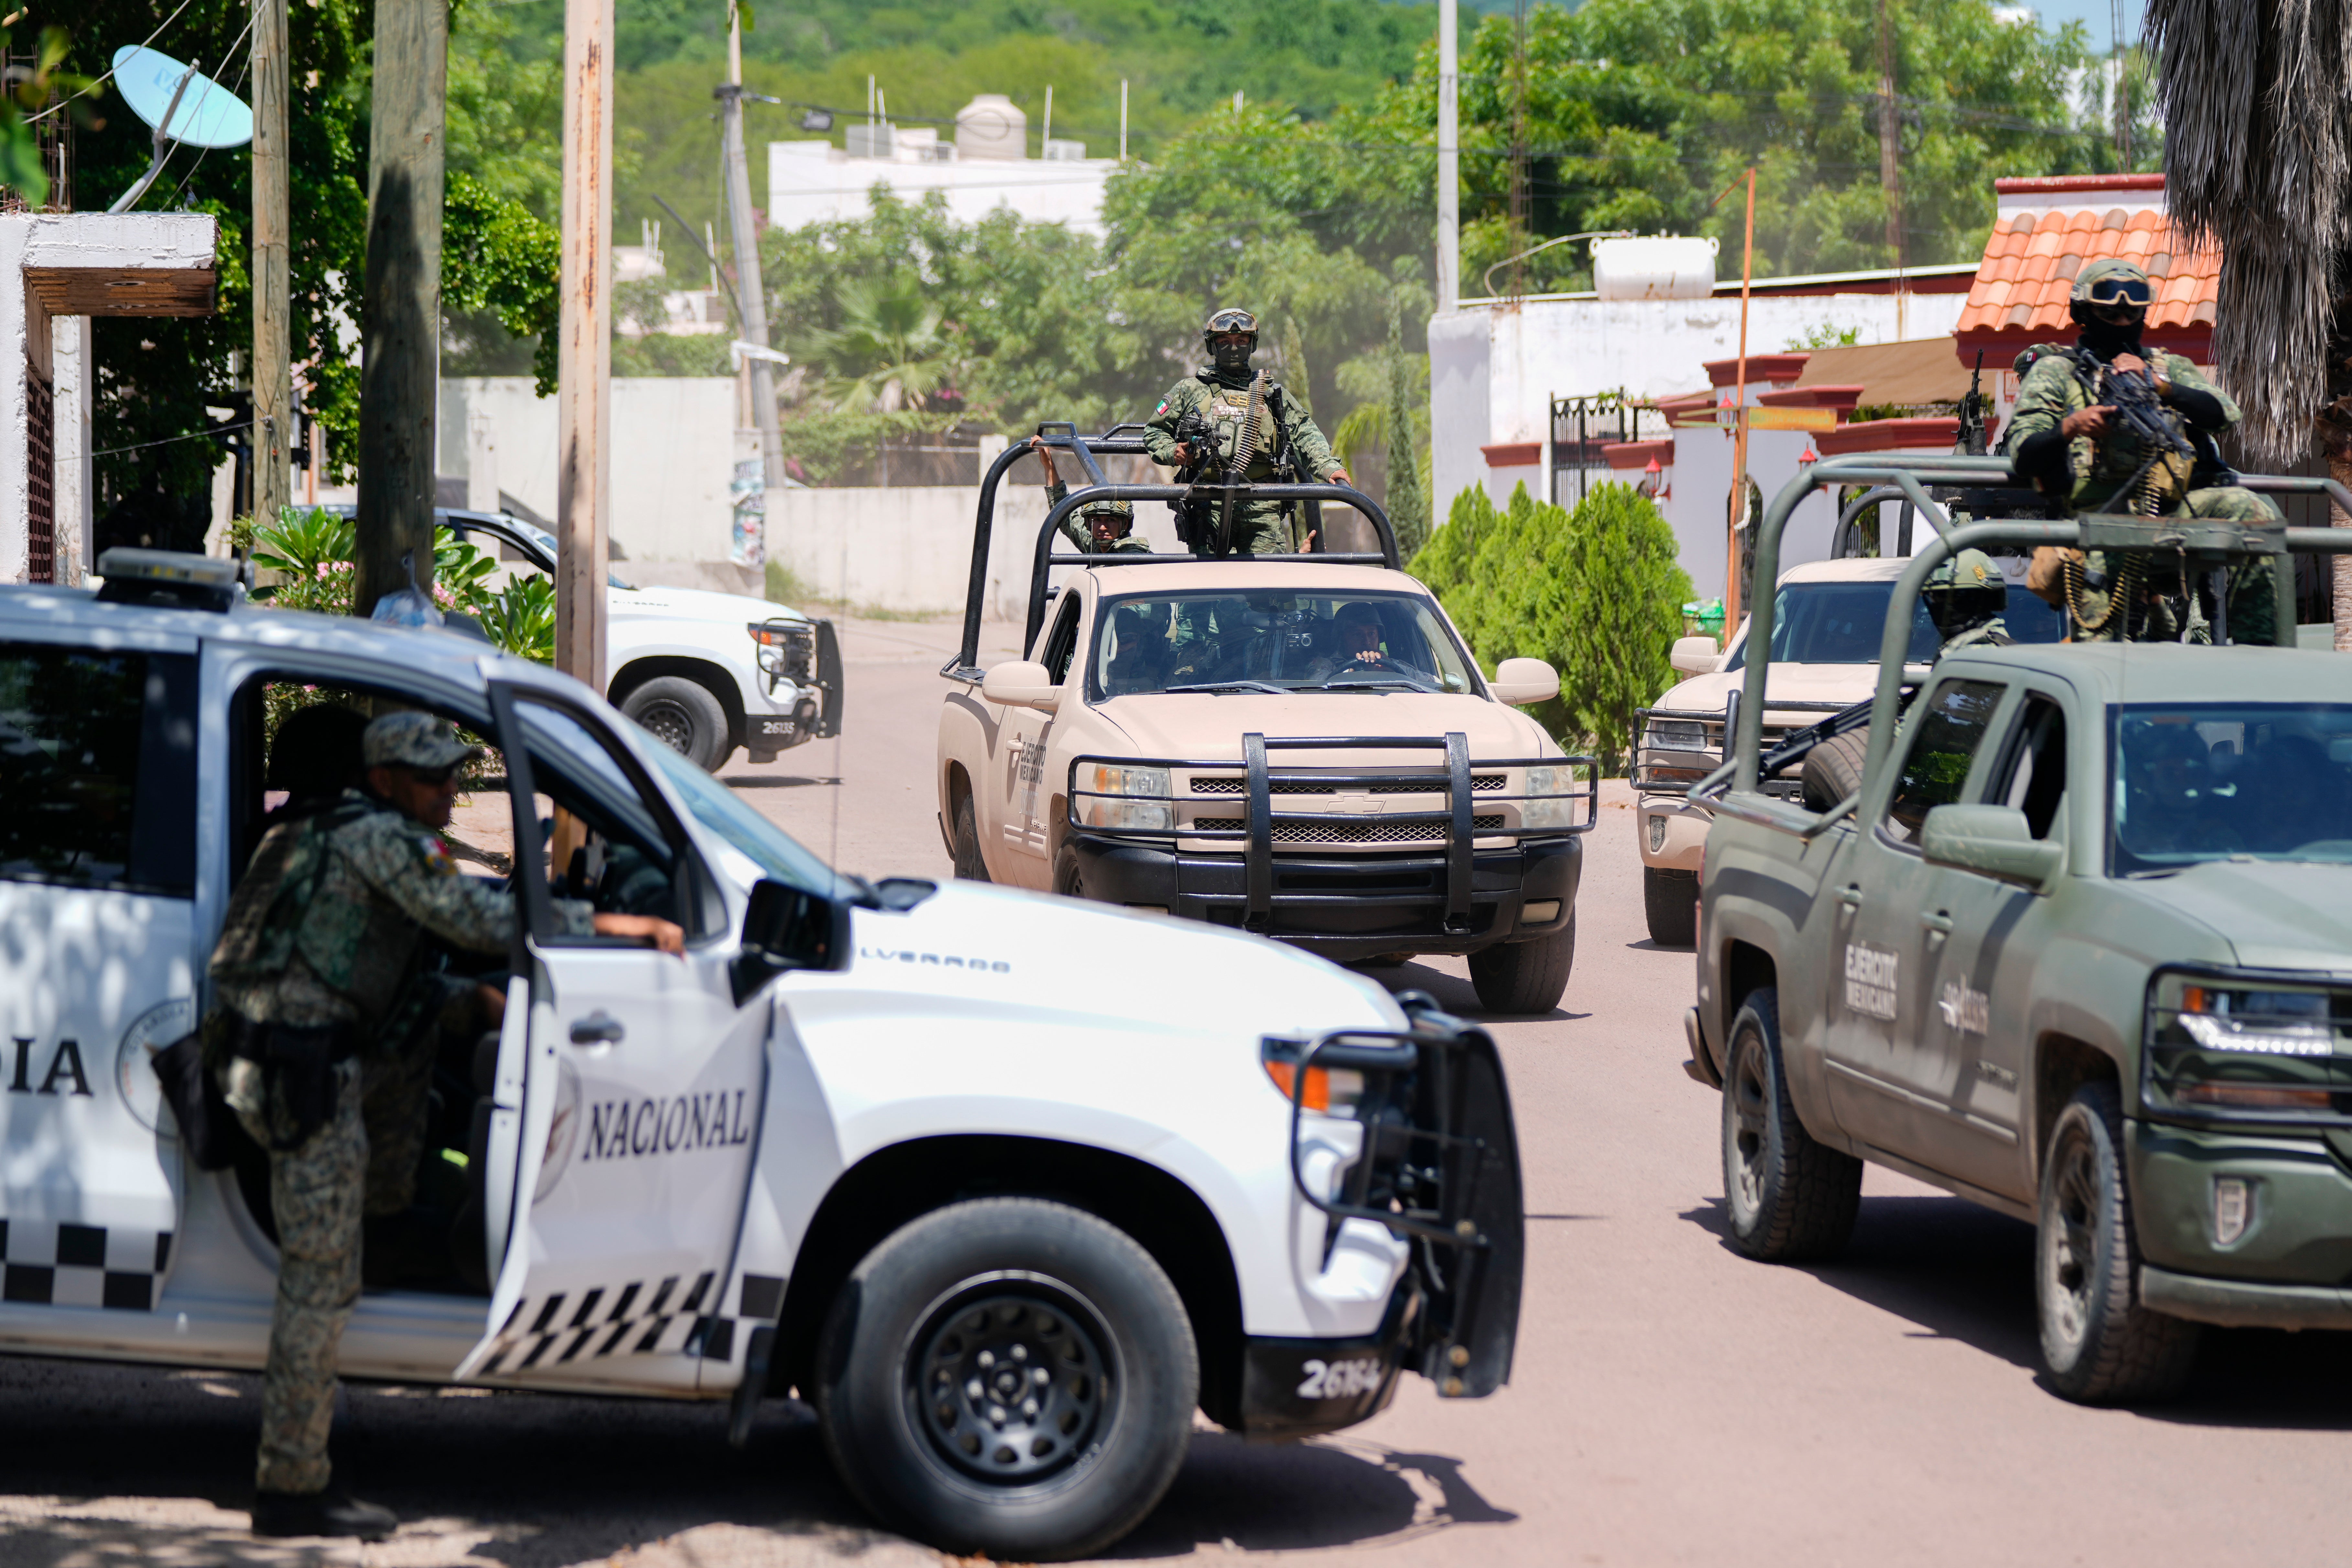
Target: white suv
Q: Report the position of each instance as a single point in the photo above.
(1005, 1221)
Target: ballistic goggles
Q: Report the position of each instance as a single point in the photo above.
(2118, 290)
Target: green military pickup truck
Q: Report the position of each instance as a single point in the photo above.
(2078, 948)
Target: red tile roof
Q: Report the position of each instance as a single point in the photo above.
(2031, 261)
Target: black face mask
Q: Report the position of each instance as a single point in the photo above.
(1231, 356)
(2108, 339)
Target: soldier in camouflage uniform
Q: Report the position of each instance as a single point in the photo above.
(1966, 598)
(1288, 446)
(2079, 452)
(323, 1016)
(1105, 528)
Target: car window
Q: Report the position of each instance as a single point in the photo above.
(1944, 739)
(2035, 779)
(1842, 623)
(1313, 639)
(98, 768)
(1063, 640)
(606, 842)
(719, 809)
(2240, 781)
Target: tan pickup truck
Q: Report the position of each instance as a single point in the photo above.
(1298, 746)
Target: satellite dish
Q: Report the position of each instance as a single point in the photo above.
(207, 114)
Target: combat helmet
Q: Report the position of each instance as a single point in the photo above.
(2109, 283)
(1964, 593)
(1226, 322)
(1120, 513)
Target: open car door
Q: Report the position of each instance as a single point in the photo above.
(626, 1110)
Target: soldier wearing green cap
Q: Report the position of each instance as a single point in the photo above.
(1104, 527)
(2075, 448)
(321, 1039)
(1227, 419)
(1966, 598)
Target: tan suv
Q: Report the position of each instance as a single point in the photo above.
(1299, 746)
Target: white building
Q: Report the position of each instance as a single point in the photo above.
(986, 166)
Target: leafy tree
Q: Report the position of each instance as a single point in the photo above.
(893, 349)
(1595, 593)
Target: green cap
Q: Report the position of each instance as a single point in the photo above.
(1969, 569)
(412, 740)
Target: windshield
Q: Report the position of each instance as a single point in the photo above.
(1840, 623)
(2230, 781)
(1275, 641)
(717, 807)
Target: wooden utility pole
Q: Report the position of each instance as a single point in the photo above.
(400, 362)
(1740, 520)
(583, 469)
(754, 299)
(273, 376)
(1890, 136)
(1449, 160)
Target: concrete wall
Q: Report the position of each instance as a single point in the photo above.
(673, 453)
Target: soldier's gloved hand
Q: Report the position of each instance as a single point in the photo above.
(661, 933)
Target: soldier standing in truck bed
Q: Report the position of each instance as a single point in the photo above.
(1199, 429)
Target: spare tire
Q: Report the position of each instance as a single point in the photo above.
(1832, 770)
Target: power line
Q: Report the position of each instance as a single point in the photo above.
(100, 80)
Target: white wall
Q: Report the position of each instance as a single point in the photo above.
(815, 181)
(673, 454)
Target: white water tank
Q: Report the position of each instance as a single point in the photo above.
(991, 126)
(1653, 267)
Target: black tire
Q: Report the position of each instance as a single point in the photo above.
(978, 1290)
(1788, 1198)
(1832, 771)
(2099, 1345)
(1069, 877)
(1670, 899)
(683, 715)
(1525, 977)
(969, 865)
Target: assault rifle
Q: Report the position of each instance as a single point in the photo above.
(2132, 394)
(1972, 413)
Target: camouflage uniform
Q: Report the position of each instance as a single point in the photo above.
(1221, 397)
(323, 932)
(2100, 468)
(1075, 530)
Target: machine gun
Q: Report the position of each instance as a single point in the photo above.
(1972, 413)
(1193, 430)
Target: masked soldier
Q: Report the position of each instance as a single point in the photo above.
(1104, 527)
(322, 1003)
(2077, 449)
(1223, 421)
(1966, 598)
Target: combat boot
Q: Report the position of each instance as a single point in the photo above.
(331, 1513)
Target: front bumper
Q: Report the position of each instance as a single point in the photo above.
(1672, 832)
(1304, 1388)
(2244, 1304)
(2294, 1258)
(1345, 906)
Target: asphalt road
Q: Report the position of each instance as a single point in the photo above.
(1672, 1401)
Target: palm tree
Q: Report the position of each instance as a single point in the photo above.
(2258, 157)
(893, 349)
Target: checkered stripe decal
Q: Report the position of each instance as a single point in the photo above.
(52, 1264)
(632, 1319)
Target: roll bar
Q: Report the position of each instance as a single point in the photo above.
(1905, 476)
(1116, 441)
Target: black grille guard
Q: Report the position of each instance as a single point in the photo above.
(1439, 1168)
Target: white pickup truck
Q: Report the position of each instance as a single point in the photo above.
(1005, 1221)
(1297, 745)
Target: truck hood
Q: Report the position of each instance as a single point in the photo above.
(697, 604)
(976, 941)
(1210, 728)
(1840, 684)
(2276, 915)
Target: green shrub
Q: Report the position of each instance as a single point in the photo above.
(1595, 593)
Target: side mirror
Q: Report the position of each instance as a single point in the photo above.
(787, 928)
(1020, 684)
(1695, 656)
(1520, 681)
(1992, 839)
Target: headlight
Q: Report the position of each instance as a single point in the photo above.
(1550, 803)
(2220, 1046)
(786, 650)
(1666, 734)
(1331, 1090)
(1123, 799)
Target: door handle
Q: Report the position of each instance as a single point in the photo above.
(1850, 896)
(599, 1027)
(1940, 922)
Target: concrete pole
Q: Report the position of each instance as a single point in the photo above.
(273, 376)
(584, 477)
(400, 360)
(754, 299)
(1449, 164)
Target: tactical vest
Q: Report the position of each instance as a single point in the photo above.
(1226, 409)
(360, 947)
